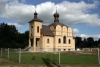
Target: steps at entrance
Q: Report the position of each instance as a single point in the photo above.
(31, 49)
(27, 48)
(38, 48)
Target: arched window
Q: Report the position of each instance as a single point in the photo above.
(37, 29)
(47, 40)
(59, 40)
(64, 39)
(69, 41)
(32, 29)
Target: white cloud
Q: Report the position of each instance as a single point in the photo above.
(70, 12)
(75, 32)
(97, 36)
(2, 6)
(19, 12)
(16, 24)
(84, 35)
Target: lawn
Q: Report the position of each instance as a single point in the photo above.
(50, 59)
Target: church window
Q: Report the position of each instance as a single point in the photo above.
(31, 35)
(32, 29)
(69, 41)
(47, 40)
(64, 39)
(68, 49)
(59, 40)
(37, 29)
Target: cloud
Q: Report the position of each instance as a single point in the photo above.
(19, 12)
(23, 1)
(16, 24)
(70, 12)
(2, 6)
(86, 36)
(75, 32)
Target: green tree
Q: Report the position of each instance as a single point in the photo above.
(90, 42)
(7, 35)
(95, 44)
(84, 43)
(78, 42)
(11, 38)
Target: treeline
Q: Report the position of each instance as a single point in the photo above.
(11, 38)
(86, 42)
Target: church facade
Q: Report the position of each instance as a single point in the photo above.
(54, 37)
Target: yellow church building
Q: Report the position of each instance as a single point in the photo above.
(54, 37)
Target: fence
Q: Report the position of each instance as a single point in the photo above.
(67, 57)
(12, 54)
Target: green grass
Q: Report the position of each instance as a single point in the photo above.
(52, 59)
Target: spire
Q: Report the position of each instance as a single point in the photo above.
(56, 16)
(56, 9)
(35, 14)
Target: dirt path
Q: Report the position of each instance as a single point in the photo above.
(2, 60)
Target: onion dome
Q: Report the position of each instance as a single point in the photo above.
(56, 16)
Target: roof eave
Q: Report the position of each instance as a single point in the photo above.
(35, 20)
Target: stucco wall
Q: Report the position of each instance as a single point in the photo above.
(70, 32)
(35, 25)
(63, 46)
(48, 46)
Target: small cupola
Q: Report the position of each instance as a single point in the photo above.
(35, 14)
(56, 16)
(35, 17)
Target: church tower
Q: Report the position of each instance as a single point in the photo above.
(35, 26)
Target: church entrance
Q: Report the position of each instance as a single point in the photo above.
(37, 42)
(31, 42)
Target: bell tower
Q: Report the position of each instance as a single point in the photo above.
(35, 26)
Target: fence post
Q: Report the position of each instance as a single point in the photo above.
(59, 55)
(8, 53)
(19, 55)
(98, 56)
(1, 51)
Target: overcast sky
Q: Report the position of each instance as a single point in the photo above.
(82, 15)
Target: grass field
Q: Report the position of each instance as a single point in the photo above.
(51, 59)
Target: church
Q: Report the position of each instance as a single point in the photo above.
(53, 37)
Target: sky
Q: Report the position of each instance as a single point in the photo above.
(82, 15)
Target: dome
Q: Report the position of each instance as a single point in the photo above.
(35, 13)
(56, 15)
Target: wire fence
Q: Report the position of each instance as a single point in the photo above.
(67, 57)
(12, 54)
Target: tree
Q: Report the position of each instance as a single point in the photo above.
(11, 38)
(99, 41)
(98, 45)
(78, 42)
(90, 42)
(95, 44)
(7, 35)
(84, 43)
